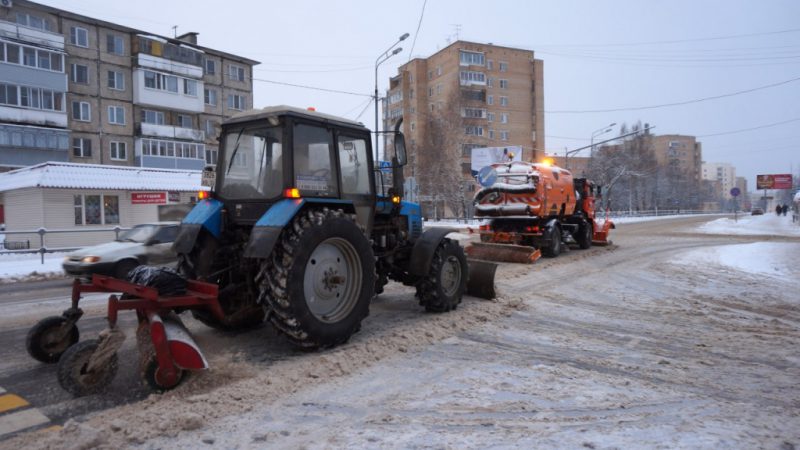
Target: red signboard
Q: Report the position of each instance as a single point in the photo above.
(779, 181)
(149, 198)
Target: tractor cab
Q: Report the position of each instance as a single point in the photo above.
(282, 152)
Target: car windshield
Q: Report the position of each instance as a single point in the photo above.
(251, 165)
(139, 233)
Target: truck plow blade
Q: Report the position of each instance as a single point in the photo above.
(481, 279)
(504, 252)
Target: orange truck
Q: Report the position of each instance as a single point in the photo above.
(535, 208)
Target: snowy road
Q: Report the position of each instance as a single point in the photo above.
(673, 337)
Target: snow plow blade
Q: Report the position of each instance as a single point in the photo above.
(600, 235)
(481, 279)
(504, 253)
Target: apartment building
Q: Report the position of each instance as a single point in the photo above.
(82, 90)
(724, 173)
(486, 95)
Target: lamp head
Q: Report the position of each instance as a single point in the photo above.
(397, 50)
(404, 37)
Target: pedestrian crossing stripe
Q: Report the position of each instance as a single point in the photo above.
(11, 401)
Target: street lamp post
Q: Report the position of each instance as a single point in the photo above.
(378, 61)
(598, 132)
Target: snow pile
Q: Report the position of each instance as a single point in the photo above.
(768, 224)
(17, 266)
(770, 259)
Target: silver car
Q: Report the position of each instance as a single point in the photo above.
(148, 243)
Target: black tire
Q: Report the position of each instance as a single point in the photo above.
(200, 264)
(441, 290)
(554, 248)
(151, 380)
(584, 236)
(122, 268)
(43, 343)
(320, 279)
(72, 370)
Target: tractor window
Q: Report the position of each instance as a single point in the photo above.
(314, 174)
(353, 161)
(252, 163)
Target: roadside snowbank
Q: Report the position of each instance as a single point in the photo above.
(768, 224)
(16, 267)
(771, 259)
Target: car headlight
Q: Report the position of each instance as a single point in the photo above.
(90, 259)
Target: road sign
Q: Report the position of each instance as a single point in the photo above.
(735, 192)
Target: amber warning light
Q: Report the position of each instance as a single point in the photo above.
(203, 195)
(291, 193)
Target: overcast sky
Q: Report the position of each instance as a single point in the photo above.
(598, 55)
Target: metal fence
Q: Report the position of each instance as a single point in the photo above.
(24, 246)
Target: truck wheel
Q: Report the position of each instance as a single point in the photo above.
(73, 373)
(46, 341)
(554, 249)
(319, 279)
(584, 237)
(241, 312)
(441, 290)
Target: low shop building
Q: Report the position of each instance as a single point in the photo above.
(79, 200)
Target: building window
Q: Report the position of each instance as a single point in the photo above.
(10, 53)
(115, 44)
(79, 36)
(490, 100)
(190, 87)
(116, 80)
(211, 67)
(160, 81)
(96, 209)
(32, 21)
(503, 101)
(490, 116)
(471, 77)
(489, 64)
(153, 117)
(81, 147)
(118, 151)
(466, 149)
(473, 113)
(211, 156)
(32, 57)
(430, 92)
(236, 102)
(438, 71)
(116, 115)
(235, 72)
(503, 84)
(210, 129)
(173, 149)
(490, 82)
(82, 111)
(184, 121)
(503, 117)
(503, 66)
(471, 58)
(474, 131)
(504, 135)
(491, 133)
(80, 74)
(210, 97)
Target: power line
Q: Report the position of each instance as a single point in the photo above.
(639, 108)
(335, 91)
(750, 129)
(678, 41)
(416, 33)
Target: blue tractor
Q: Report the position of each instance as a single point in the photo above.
(298, 229)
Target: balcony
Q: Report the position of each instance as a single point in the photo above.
(170, 132)
(167, 65)
(48, 118)
(31, 35)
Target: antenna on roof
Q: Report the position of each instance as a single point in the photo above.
(175, 31)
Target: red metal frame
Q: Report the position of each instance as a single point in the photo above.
(150, 306)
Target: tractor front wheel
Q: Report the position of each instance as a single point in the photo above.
(50, 338)
(320, 279)
(441, 290)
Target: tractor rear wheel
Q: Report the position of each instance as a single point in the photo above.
(204, 263)
(320, 279)
(441, 290)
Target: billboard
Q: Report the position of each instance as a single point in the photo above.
(776, 181)
(485, 156)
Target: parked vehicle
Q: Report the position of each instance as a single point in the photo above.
(148, 243)
(756, 212)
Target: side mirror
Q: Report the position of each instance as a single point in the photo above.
(400, 149)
